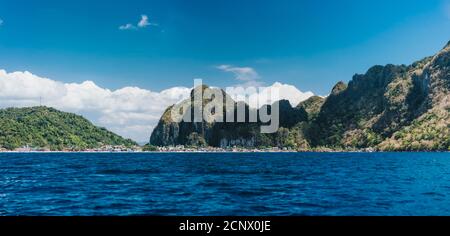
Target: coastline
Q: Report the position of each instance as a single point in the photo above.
(200, 152)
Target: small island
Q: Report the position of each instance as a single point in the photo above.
(47, 129)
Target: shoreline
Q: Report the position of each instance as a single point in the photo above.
(200, 152)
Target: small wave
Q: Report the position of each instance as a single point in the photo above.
(433, 194)
(126, 172)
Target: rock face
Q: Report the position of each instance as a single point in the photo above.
(430, 106)
(224, 134)
(391, 108)
(170, 133)
(388, 108)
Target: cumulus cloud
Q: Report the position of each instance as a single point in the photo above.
(130, 111)
(143, 23)
(262, 95)
(268, 95)
(127, 27)
(246, 75)
(121, 110)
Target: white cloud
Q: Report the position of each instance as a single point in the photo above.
(127, 27)
(120, 110)
(242, 73)
(143, 23)
(247, 76)
(264, 96)
(25, 84)
(130, 111)
(290, 93)
(250, 78)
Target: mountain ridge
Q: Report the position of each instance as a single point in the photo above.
(389, 108)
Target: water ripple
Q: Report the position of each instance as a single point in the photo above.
(225, 184)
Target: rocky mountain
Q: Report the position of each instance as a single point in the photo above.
(222, 134)
(45, 127)
(392, 107)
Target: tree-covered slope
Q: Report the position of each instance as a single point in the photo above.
(390, 108)
(312, 106)
(45, 127)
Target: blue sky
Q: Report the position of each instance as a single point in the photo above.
(122, 63)
(309, 44)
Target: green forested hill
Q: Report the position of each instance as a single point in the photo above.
(45, 127)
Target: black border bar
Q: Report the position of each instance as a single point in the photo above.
(276, 225)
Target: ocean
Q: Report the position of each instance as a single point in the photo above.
(224, 184)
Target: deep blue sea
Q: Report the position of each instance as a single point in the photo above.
(231, 184)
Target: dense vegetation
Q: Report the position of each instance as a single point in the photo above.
(43, 127)
(390, 108)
